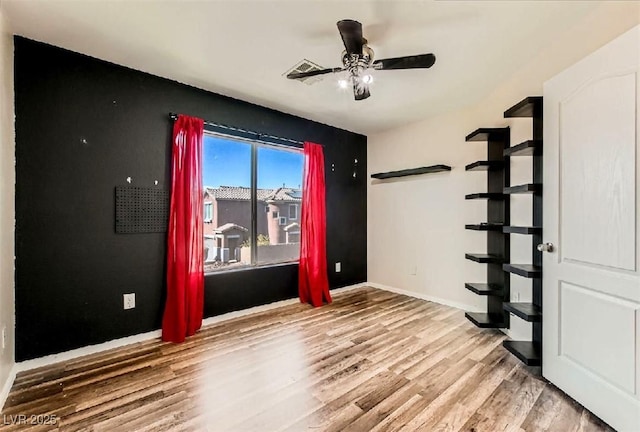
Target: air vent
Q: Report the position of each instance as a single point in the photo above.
(306, 66)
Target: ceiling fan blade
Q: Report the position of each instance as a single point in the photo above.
(409, 62)
(351, 32)
(360, 90)
(300, 75)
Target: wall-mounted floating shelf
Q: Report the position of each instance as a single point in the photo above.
(484, 289)
(484, 166)
(527, 148)
(528, 352)
(485, 227)
(485, 258)
(411, 172)
(485, 320)
(528, 107)
(487, 134)
(523, 189)
(521, 230)
(527, 311)
(486, 195)
(524, 270)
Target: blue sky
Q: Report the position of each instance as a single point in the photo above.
(227, 162)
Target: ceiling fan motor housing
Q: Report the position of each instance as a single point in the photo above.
(357, 63)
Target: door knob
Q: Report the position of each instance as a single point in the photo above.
(546, 247)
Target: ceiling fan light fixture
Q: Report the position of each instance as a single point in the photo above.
(358, 59)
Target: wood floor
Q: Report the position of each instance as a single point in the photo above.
(370, 361)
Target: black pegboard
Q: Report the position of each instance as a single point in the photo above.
(141, 210)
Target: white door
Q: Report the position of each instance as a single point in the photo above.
(591, 280)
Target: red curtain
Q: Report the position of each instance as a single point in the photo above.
(185, 252)
(313, 283)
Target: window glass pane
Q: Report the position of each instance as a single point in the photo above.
(226, 176)
(279, 189)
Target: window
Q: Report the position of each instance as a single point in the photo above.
(242, 177)
(293, 211)
(208, 212)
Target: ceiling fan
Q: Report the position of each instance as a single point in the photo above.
(357, 58)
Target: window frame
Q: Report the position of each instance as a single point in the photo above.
(253, 236)
(208, 211)
(290, 207)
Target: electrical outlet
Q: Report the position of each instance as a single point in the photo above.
(129, 301)
(338, 267)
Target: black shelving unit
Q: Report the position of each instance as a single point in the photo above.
(411, 172)
(529, 352)
(496, 287)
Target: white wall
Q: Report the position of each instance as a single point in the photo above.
(7, 208)
(419, 221)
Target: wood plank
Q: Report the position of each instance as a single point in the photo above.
(372, 360)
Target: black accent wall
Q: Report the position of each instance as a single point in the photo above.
(82, 127)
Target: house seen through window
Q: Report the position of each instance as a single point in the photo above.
(232, 238)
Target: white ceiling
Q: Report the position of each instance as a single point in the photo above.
(243, 48)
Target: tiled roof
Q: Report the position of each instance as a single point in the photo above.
(284, 194)
(243, 193)
(230, 226)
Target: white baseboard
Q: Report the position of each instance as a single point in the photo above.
(446, 302)
(143, 337)
(262, 308)
(87, 350)
(6, 388)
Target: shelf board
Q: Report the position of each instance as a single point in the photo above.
(484, 258)
(523, 189)
(528, 352)
(484, 320)
(524, 270)
(524, 108)
(486, 195)
(484, 226)
(484, 289)
(485, 134)
(410, 172)
(527, 148)
(485, 166)
(527, 311)
(521, 230)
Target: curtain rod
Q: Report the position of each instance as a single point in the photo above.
(259, 135)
